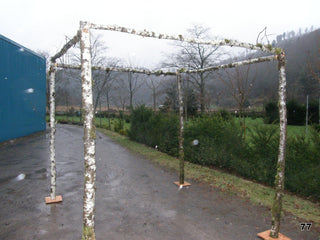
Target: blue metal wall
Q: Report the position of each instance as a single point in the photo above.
(22, 90)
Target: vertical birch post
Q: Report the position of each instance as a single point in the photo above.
(181, 182)
(89, 135)
(181, 129)
(279, 180)
(53, 198)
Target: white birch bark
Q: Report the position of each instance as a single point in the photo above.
(166, 73)
(225, 42)
(52, 131)
(119, 69)
(279, 181)
(234, 64)
(89, 135)
(67, 46)
(181, 129)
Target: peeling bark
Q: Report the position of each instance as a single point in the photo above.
(89, 135)
(52, 131)
(279, 180)
(181, 129)
(225, 42)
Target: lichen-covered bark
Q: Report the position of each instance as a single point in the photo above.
(181, 129)
(52, 131)
(224, 42)
(119, 69)
(279, 181)
(166, 73)
(67, 46)
(89, 135)
(234, 64)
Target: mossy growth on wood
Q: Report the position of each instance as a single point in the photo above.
(88, 233)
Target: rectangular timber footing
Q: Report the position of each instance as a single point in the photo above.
(185, 184)
(55, 200)
(266, 236)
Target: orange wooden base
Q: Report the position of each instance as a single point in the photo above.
(185, 184)
(56, 200)
(266, 236)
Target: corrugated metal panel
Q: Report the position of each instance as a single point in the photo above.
(22, 90)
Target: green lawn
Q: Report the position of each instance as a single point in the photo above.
(291, 130)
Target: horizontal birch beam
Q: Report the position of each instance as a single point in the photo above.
(121, 69)
(233, 65)
(170, 73)
(66, 47)
(226, 42)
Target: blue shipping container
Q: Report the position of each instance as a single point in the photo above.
(22, 90)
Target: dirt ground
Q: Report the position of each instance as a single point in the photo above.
(135, 198)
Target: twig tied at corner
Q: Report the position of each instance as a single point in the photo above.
(281, 57)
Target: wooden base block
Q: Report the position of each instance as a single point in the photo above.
(56, 200)
(185, 184)
(266, 236)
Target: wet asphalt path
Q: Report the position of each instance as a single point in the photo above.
(135, 198)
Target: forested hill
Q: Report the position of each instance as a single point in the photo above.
(302, 55)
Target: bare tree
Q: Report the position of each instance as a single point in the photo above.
(46, 55)
(197, 56)
(98, 58)
(103, 81)
(240, 84)
(120, 94)
(154, 82)
(134, 82)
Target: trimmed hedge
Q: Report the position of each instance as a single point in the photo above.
(296, 112)
(219, 144)
(155, 129)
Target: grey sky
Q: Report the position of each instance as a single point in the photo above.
(43, 25)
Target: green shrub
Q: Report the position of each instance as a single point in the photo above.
(314, 112)
(139, 129)
(262, 153)
(271, 113)
(118, 125)
(296, 113)
(155, 129)
(302, 165)
(219, 142)
(224, 114)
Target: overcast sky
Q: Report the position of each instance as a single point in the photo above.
(43, 25)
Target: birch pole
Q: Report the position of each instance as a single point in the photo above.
(52, 198)
(279, 180)
(52, 131)
(89, 135)
(181, 129)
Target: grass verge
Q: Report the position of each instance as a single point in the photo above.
(256, 193)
